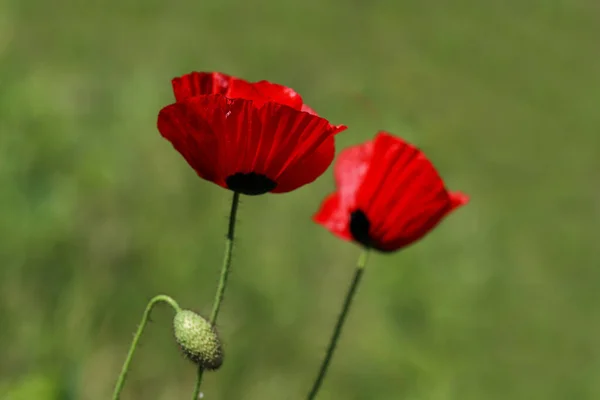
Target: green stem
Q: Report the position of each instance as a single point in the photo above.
(358, 272)
(136, 339)
(223, 280)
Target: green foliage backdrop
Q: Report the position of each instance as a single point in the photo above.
(98, 213)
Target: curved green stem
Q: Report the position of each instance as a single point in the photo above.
(137, 336)
(226, 259)
(223, 279)
(358, 272)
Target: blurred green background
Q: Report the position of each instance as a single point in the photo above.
(98, 213)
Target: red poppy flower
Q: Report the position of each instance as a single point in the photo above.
(389, 195)
(252, 138)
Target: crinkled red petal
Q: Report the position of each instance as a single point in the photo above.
(334, 217)
(294, 147)
(307, 164)
(207, 83)
(350, 169)
(402, 194)
(186, 126)
(279, 94)
(458, 199)
(201, 84)
(308, 168)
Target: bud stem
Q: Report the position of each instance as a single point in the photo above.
(222, 280)
(137, 336)
(358, 272)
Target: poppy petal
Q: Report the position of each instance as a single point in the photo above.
(333, 216)
(458, 199)
(279, 94)
(236, 126)
(207, 83)
(350, 170)
(192, 136)
(216, 135)
(241, 89)
(200, 84)
(287, 138)
(403, 194)
(308, 169)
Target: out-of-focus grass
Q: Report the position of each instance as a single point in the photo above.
(98, 213)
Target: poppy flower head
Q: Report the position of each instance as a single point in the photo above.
(252, 138)
(389, 195)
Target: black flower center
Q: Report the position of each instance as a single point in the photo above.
(251, 183)
(359, 227)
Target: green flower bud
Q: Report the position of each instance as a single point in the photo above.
(198, 340)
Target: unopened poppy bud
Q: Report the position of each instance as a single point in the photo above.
(198, 340)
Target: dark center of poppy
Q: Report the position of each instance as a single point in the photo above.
(251, 183)
(359, 227)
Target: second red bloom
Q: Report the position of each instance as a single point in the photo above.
(389, 195)
(252, 138)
